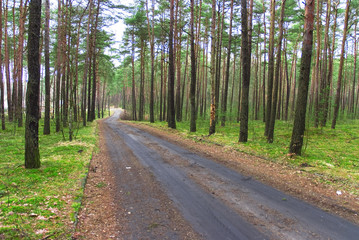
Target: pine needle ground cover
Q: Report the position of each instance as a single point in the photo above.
(43, 203)
(331, 155)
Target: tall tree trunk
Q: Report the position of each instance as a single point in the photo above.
(323, 82)
(193, 74)
(304, 77)
(162, 76)
(317, 67)
(7, 65)
(212, 123)
(2, 90)
(20, 62)
(87, 65)
(352, 99)
(47, 68)
(134, 115)
(58, 66)
(220, 26)
(14, 70)
(77, 64)
(286, 109)
(265, 62)
(151, 35)
(270, 69)
(89, 81)
(94, 59)
(32, 155)
(179, 65)
(171, 72)
(329, 83)
(341, 64)
(273, 112)
(142, 82)
(246, 74)
(225, 96)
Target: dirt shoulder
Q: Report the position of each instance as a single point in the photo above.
(300, 184)
(123, 200)
(97, 218)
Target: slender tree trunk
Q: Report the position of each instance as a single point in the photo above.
(246, 74)
(301, 105)
(193, 74)
(171, 72)
(352, 98)
(270, 69)
(7, 65)
(94, 64)
(273, 112)
(47, 68)
(151, 35)
(161, 89)
(317, 67)
(20, 62)
(341, 64)
(134, 115)
(2, 90)
(286, 109)
(225, 95)
(77, 64)
(323, 82)
(212, 127)
(265, 62)
(58, 66)
(32, 155)
(179, 65)
(329, 88)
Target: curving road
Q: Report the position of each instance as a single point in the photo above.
(216, 201)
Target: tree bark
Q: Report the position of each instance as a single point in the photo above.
(265, 63)
(47, 68)
(246, 74)
(341, 64)
(19, 68)
(193, 74)
(323, 83)
(94, 59)
(151, 35)
(273, 112)
(32, 155)
(171, 72)
(7, 65)
(329, 83)
(317, 67)
(352, 99)
(226, 82)
(304, 77)
(212, 123)
(2, 90)
(270, 70)
(58, 66)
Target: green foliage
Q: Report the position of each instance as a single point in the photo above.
(41, 202)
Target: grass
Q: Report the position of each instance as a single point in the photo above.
(331, 154)
(40, 203)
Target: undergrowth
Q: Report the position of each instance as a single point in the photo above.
(42, 203)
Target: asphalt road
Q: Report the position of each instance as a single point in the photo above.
(218, 202)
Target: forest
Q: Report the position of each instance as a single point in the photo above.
(267, 89)
(215, 61)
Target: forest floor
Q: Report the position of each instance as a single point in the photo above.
(127, 197)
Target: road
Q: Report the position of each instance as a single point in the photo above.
(155, 175)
